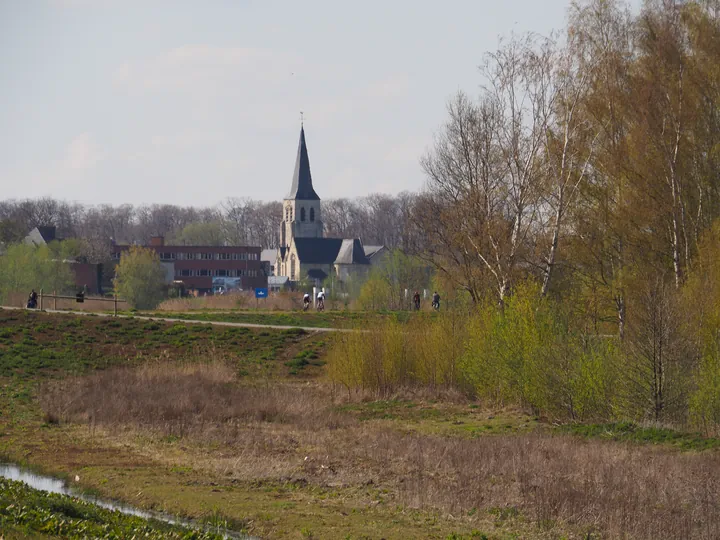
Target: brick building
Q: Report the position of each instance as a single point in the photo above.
(208, 269)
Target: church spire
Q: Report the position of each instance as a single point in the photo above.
(302, 188)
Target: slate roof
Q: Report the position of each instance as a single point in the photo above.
(318, 250)
(316, 273)
(41, 235)
(351, 252)
(371, 251)
(302, 188)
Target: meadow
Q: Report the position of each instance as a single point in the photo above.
(248, 426)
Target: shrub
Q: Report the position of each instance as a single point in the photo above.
(140, 278)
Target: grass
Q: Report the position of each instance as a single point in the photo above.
(309, 319)
(33, 343)
(287, 455)
(27, 512)
(630, 432)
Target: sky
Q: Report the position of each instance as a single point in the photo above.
(192, 102)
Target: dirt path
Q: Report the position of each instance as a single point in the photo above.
(191, 321)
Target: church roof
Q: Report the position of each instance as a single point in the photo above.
(351, 252)
(316, 273)
(302, 187)
(371, 251)
(317, 250)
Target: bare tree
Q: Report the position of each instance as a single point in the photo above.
(488, 162)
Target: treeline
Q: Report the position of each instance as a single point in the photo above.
(575, 203)
(585, 165)
(376, 219)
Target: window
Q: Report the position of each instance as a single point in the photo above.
(202, 272)
(292, 268)
(312, 214)
(302, 214)
(222, 273)
(224, 256)
(186, 273)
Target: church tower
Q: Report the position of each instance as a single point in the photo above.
(301, 207)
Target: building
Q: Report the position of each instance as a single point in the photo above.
(208, 269)
(41, 236)
(305, 254)
(88, 276)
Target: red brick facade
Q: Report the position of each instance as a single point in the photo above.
(198, 266)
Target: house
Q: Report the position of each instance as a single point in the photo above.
(305, 254)
(88, 276)
(41, 236)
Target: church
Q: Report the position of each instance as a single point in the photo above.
(304, 253)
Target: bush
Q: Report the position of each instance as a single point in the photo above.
(525, 354)
(140, 278)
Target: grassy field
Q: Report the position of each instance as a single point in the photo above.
(34, 343)
(243, 427)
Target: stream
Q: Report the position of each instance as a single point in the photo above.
(55, 485)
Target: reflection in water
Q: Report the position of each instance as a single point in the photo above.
(55, 485)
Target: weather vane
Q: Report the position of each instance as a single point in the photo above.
(301, 118)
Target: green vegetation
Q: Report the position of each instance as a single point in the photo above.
(140, 278)
(33, 343)
(385, 287)
(627, 431)
(27, 511)
(532, 355)
(24, 267)
(236, 425)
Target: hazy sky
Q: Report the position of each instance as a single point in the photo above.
(190, 102)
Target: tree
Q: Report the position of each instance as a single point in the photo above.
(201, 234)
(659, 358)
(140, 278)
(388, 282)
(486, 168)
(24, 267)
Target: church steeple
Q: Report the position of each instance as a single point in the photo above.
(302, 188)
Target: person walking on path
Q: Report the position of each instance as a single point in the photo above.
(416, 301)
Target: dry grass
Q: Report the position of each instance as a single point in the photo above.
(181, 399)
(295, 433)
(91, 303)
(241, 300)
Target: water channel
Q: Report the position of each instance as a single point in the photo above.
(56, 485)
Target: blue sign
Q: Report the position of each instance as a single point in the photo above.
(261, 293)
